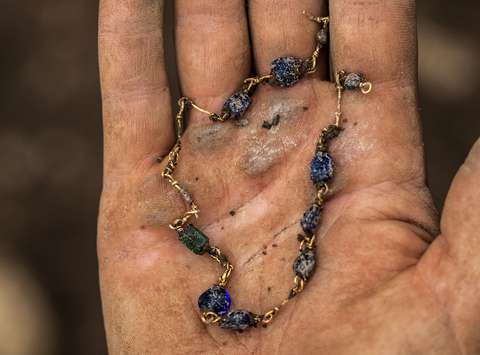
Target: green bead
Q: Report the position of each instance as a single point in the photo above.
(194, 239)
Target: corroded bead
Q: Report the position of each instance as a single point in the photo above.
(216, 299)
(304, 265)
(352, 81)
(194, 239)
(286, 71)
(237, 320)
(322, 37)
(310, 219)
(237, 104)
(321, 167)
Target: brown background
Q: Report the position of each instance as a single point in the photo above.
(50, 157)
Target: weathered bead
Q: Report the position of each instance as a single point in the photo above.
(352, 81)
(322, 37)
(186, 195)
(304, 265)
(216, 299)
(321, 167)
(237, 104)
(310, 219)
(286, 71)
(237, 320)
(194, 239)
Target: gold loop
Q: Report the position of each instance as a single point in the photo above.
(308, 241)
(322, 191)
(268, 317)
(299, 284)
(366, 87)
(210, 318)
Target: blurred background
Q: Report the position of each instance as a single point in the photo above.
(50, 156)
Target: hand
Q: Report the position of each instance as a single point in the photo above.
(391, 278)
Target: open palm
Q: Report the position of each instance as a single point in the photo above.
(390, 279)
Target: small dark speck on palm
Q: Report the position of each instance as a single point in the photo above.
(232, 213)
(274, 122)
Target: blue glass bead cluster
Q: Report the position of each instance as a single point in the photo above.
(237, 104)
(286, 71)
(216, 299)
(321, 167)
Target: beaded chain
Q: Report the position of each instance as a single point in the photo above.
(286, 71)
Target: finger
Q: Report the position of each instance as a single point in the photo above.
(451, 265)
(213, 51)
(136, 97)
(279, 28)
(377, 38)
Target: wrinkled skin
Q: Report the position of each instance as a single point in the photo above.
(392, 278)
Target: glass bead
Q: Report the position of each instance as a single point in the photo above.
(321, 167)
(310, 219)
(237, 104)
(304, 265)
(216, 299)
(286, 71)
(194, 239)
(352, 81)
(237, 320)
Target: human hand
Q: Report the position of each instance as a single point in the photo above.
(390, 279)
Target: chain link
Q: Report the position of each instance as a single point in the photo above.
(217, 255)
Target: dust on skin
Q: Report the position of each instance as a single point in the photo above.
(205, 137)
(265, 148)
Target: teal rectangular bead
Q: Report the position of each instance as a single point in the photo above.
(194, 239)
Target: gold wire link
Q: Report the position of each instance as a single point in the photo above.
(339, 87)
(322, 192)
(182, 102)
(210, 318)
(308, 241)
(251, 83)
(169, 169)
(217, 255)
(299, 284)
(324, 21)
(180, 222)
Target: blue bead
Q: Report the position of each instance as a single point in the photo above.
(237, 320)
(304, 265)
(237, 104)
(310, 219)
(321, 167)
(286, 71)
(216, 299)
(352, 81)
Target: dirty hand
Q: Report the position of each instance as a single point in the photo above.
(391, 277)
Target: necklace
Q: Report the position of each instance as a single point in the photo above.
(215, 302)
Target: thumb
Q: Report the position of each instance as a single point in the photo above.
(451, 266)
